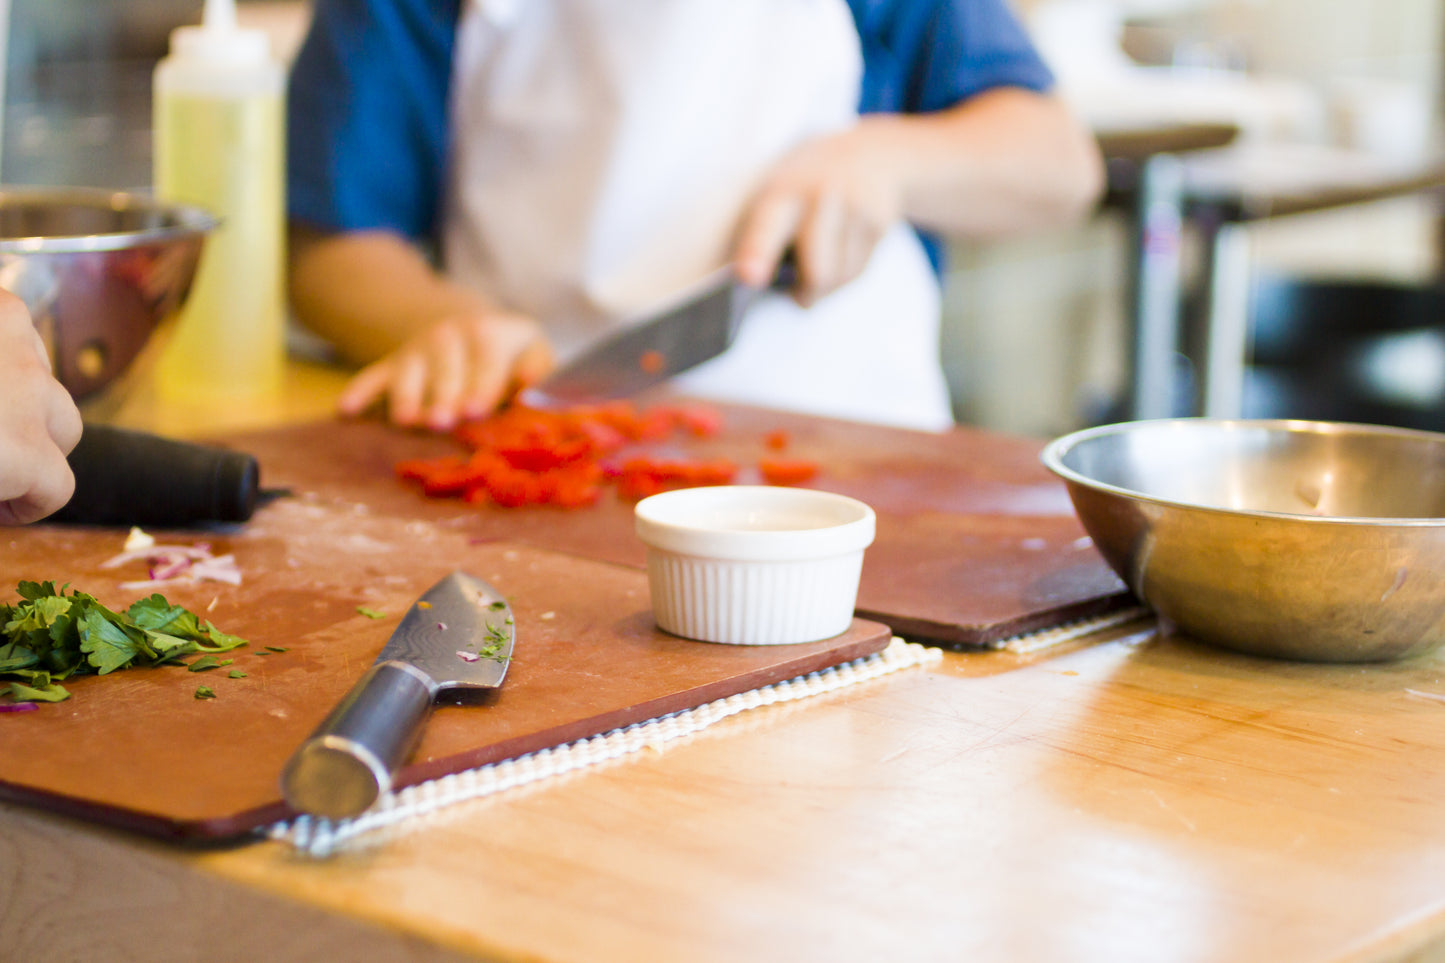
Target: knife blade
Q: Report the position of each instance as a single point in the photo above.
(695, 327)
(458, 635)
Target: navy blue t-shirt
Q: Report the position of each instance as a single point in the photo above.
(367, 105)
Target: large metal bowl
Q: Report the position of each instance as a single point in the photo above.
(99, 270)
(1302, 540)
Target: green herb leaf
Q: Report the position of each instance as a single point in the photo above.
(107, 646)
(236, 674)
(208, 662)
(496, 639)
(205, 692)
(219, 641)
(276, 648)
(370, 613)
(50, 692)
(16, 656)
(155, 614)
(53, 634)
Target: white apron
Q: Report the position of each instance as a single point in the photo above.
(603, 153)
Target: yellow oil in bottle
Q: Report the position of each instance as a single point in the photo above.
(219, 145)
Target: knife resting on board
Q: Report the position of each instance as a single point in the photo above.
(457, 635)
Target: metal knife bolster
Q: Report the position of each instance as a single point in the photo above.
(347, 763)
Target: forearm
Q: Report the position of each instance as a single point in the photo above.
(1004, 162)
(367, 293)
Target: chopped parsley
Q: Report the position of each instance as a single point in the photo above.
(370, 613)
(52, 634)
(495, 641)
(205, 692)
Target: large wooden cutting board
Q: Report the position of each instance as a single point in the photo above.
(976, 541)
(138, 750)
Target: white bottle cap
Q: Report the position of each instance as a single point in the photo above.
(219, 41)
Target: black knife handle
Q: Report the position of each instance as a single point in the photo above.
(785, 278)
(347, 763)
(125, 477)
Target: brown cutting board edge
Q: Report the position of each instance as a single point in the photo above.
(138, 751)
(966, 638)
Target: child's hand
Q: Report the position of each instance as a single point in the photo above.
(457, 369)
(39, 423)
(832, 200)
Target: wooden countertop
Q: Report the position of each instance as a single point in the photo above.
(1123, 797)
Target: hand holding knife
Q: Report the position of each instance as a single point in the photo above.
(698, 326)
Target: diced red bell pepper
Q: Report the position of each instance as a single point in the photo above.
(781, 471)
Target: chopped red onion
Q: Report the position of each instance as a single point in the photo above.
(169, 564)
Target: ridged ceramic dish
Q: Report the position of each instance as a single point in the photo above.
(754, 565)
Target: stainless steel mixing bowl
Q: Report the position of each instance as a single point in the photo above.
(99, 270)
(1300, 540)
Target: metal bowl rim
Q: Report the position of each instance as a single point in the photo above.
(190, 220)
(1053, 454)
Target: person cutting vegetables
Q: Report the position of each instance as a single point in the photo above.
(39, 423)
(479, 187)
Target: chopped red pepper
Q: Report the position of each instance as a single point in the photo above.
(525, 456)
(789, 471)
(702, 422)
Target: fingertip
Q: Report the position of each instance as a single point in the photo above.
(403, 413)
(352, 404)
(474, 410)
(361, 391)
(752, 271)
(441, 419)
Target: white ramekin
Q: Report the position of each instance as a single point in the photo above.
(754, 565)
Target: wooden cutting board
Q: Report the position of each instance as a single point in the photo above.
(976, 541)
(137, 749)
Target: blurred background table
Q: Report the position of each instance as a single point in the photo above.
(1222, 192)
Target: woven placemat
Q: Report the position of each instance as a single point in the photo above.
(1031, 642)
(323, 837)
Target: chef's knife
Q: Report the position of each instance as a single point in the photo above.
(697, 327)
(457, 636)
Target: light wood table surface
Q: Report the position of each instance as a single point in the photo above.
(1124, 797)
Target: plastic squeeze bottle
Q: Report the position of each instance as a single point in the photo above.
(220, 145)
